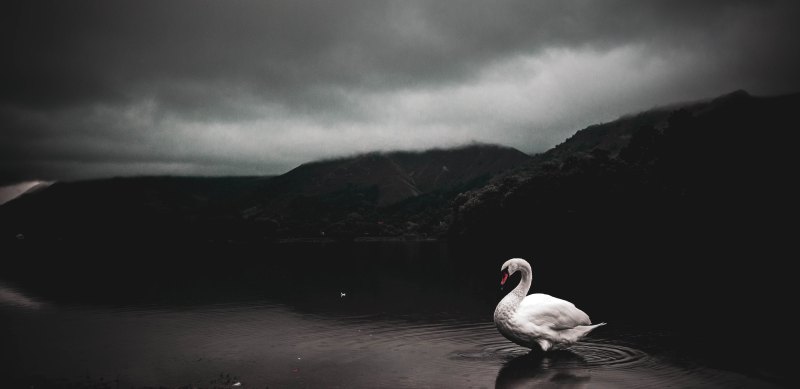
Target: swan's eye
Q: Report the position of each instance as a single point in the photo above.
(505, 278)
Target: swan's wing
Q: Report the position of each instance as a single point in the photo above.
(545, 310)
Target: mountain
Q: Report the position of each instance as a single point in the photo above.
(705, 171)
(398, 175)
(392, 193)
(720, 160)
(125, 207)
(614, 136)
(377, 193)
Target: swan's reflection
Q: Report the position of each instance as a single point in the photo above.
(562, 368)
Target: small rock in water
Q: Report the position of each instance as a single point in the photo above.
(237, 384)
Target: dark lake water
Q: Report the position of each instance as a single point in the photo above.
(342, 315)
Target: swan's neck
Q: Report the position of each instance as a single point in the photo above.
(513, 299)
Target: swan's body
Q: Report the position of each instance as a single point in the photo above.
(538, 320)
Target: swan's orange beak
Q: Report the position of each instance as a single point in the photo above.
(505, 278)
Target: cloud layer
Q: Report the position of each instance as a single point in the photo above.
(102, 88)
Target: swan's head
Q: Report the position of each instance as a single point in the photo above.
(512, 266)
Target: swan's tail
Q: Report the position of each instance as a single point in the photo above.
(579, 332)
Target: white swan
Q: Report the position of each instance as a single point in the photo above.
(538, 320)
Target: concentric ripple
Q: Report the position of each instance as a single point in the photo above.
(591, 354)
(597, 354)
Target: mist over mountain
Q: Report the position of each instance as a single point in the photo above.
(378, 193)
(708, 171)
(384, 194)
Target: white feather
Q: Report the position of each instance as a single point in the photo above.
(538, 320)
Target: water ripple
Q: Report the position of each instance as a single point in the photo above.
(598, 354)
(587, 354)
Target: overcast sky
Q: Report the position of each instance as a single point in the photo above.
(103, 88)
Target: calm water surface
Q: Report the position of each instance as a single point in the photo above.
(310, 315)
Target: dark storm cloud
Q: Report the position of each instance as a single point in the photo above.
(71, 52)
(223, 87)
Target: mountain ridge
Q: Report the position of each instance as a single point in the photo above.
(343, 195)
(659, 163)
(667, 155)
